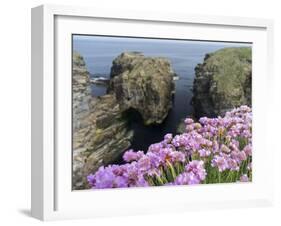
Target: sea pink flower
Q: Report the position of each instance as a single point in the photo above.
(194, 173)
(188, 121)
(220, 162)
(248, 150)
(168, 138)
(130, 155)
(197, 168)
(244, 178)
(204, 152)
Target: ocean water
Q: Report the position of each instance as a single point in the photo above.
(99, 52)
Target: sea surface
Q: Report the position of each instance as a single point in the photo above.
(100, 51)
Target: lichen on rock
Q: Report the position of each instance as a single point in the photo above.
(222, 82)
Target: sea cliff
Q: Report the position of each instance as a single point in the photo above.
(222, 82)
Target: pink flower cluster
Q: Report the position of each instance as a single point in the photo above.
(194, 173)
(213, 150)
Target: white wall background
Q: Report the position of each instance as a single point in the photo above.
(15, 111)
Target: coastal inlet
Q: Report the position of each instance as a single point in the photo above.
(127, 99)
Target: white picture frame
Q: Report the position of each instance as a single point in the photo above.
(52, 197)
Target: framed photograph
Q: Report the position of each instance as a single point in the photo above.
(142, 112)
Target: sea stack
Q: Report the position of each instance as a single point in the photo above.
(144, 84)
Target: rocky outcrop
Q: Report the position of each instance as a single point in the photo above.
(81, 128)
(100, 134)
(111, 135)
(81, 94)
(144, 84)
(222, 82)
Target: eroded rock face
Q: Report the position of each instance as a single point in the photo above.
(81, 128)
(222, 82)
(100, 134)
(111, 135)
(144, 84)
(81, 92)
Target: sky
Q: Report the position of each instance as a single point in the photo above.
(138, 39)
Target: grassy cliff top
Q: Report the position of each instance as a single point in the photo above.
(231, 67)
